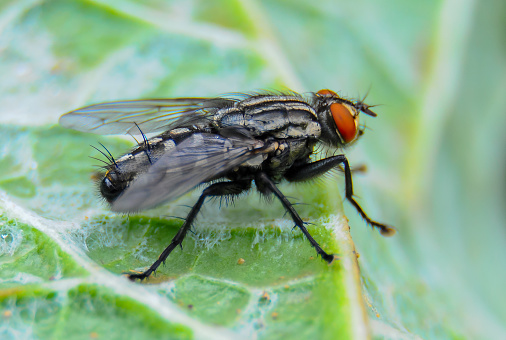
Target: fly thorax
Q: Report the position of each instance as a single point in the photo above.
(287, 153)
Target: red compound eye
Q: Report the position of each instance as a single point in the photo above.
(345, 121)
(326, 93)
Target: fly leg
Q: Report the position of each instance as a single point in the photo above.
(216, 189)
(265, 182)
(315, 169)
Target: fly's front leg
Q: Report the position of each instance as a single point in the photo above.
(315, 169)
(266, 183)
(216, 189)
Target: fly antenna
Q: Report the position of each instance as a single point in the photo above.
(147, 147)
(360, 105)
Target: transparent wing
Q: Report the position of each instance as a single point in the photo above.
(199, 158)
(152, 115)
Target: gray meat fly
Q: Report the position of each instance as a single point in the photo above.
(226, 143)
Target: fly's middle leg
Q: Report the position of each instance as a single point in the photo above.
(315, 169)
(216, 189)
(264, 181)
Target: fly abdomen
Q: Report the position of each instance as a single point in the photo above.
(139, 160)
(129, 166)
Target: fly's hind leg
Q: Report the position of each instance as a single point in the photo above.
(216, 189)
(266, 183)
(315, 169)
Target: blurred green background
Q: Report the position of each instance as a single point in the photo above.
(435, 154)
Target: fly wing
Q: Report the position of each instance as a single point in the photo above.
(152, 115)
(199, 158)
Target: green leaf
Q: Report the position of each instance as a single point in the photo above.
(82, 312)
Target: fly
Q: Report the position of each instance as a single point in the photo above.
(227, 143)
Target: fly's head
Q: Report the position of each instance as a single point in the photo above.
(339, 117)
(113, 184)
